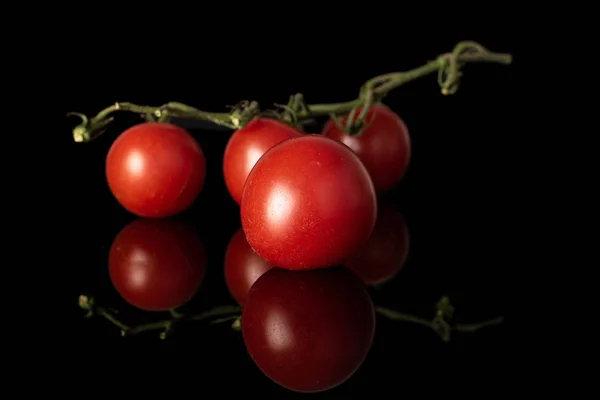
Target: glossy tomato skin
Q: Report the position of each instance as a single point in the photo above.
(384, 147)
(308, 331)
(242, 266)
(386, 251)
(308, 203)
(247, 145)
(157, 264)
(155, 169)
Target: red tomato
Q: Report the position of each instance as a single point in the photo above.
(308, 203)
(384, 255)
(247, 145)
(242, 266)
(308, 331)
(384, 147)
(155, 169)
(157, 265)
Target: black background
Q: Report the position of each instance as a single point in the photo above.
(458, 200)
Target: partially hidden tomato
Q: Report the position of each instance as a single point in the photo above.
(384, 146)
(157, 264)
(308, 331)
(155, 169)
(247, 145)
(308, 203)
(385, 254)
(242, 266)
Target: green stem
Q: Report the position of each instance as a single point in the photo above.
(447, 66)
(479, 325)
(167, 325)
(225, 312)
(398, 316)
(91, 128)
(439, 323)
(106, 314)
(382, 84)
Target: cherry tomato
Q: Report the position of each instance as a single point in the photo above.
(384, 255)
(308, 203)
(308, 331)
(247, 145)
(157, 264)
(155, 169)
(242, 266)
(384, 146)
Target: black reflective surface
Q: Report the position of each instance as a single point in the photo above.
(441, 299)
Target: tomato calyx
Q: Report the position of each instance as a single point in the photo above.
(295, 113)
(356, 125)
(244, 112)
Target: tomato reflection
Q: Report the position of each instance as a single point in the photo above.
(157, 265)
(242, 266)
(385, 253)
(308, 331)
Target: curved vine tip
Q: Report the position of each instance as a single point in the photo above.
(80, 131)
(88, 129)
(449, 72)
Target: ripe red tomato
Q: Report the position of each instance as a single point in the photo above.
(308, 331)
(155, 169)
(384, 147)
(247, 145)
(308, 203)
(242, 266)
(157, 264)
(384, 255)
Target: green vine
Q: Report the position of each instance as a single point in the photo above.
(217, 315)
(449, 73)
(442, 322)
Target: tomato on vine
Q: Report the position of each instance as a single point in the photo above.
(157, 264)
(308, 331)
(155, 169)
(247, 145)
(308, 203)
(386, 251)
(242, 266)
(384, 145)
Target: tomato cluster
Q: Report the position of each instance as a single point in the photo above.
(306, 200)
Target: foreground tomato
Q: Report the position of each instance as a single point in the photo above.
(308, 331)
(308, 203)
(384, 255)
(155, 169)
(157, 265)
(242, 267)
(384, 146)
(247, 145)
